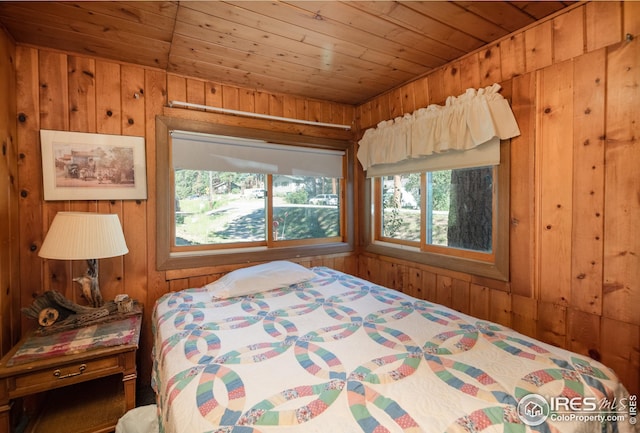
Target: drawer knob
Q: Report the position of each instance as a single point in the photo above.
(59, 374)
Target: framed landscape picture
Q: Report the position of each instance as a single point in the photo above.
(85, 166)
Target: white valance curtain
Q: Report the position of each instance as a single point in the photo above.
(465, 132)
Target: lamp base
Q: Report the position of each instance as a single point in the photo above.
(90, 285)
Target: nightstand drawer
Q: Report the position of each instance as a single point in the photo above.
(64, 374)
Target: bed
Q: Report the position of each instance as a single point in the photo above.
(279, 347)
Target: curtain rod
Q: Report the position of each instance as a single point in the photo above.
(256, 115)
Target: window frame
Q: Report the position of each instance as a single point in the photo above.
(167, 257)
(493, 265)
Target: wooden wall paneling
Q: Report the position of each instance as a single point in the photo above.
(345, 115)
(195, 91)
(538, 47)
(156, 96)
(197, 281)
(276, 105)
(247, 100)
(363, 116)
(621, 257)
(315, 111)
(373, 270)
(231, 97)
(500, 311)
(451, 80)
(603, 24)
(524, 314)
(29, 178)
(132, 97)
(552, 323)
(421, 92)
(78, 267)
(568, 35)
(588, 182)
(386, 275)
(347, 264)
(9, 226)
(6, 72)
(82, 94)
(631, 16)
(82, 118)
(402, 275)
(408, 100)
(470, 71)
(437, 93)
(394, 103)
(583, 333)
(13, 249)
(490, 66)
(177, 285)
(326, 111)
(302, 109)
(621, 351)
(134, 212)
(110, 120)
(6, 295)
(339, 264)
(262, 102)
(414, 283)
(522, 195)
(479, 302)
(108, 102)
(177, 89)
(373, 111)
(288, 106)
(444, 295)
(324, 261)
(54, 93)
(57, 273)
(512, 56)
(376, 116)
(504, 286)
(112, 269)
(429, 286)
(362, 266)
(213, 94)
(307, 263)
(351, 264)
(54, 114)
(554, 159)
(460, 296)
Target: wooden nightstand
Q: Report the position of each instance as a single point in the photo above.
(89, 375)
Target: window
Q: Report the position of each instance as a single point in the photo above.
(455, 218)
(225, 208)
(227, 194)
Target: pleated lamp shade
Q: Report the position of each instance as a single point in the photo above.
(82, 236)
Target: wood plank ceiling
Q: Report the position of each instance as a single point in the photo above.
(341, 51)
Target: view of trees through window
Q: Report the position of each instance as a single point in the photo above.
(224, 207)
(458, 211)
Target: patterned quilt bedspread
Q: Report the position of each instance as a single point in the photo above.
(340, 354)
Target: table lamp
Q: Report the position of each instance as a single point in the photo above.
(85, 236)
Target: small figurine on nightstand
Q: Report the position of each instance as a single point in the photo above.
(124, 303)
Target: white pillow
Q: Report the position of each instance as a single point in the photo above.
(259, 278)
